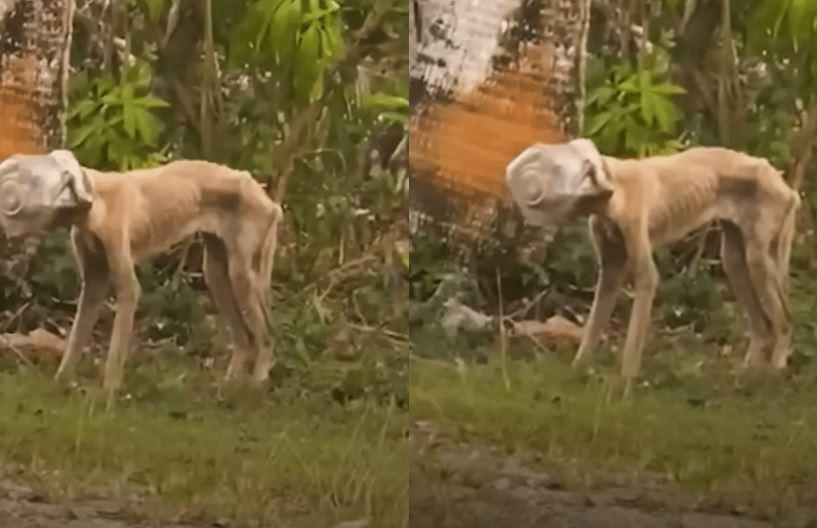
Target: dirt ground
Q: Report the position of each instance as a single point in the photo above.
(459, 486)
(20, 507)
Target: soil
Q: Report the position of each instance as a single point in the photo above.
(20, 507)
(456, 485)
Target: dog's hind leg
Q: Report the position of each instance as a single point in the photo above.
(217, 276)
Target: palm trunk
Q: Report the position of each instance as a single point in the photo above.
(486, 83)
(34, 50)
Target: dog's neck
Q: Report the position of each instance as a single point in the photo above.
(597, 204)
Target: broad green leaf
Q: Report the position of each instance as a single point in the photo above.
(81, 134)
(600, 95)
(644, 80)
(129, 119)
(149, 126)
(306, 62)
(104, 85)
(148, 101)
(395, 117)
(83, 109)
(628, 86)
(666, 113)
(263, 17)
(667, 89)
(127, 93)
(629, 109)
(317, 86)
(287, 25)
(114, 98)
(636, 136)
(598, 122)
(647, 113)
(114, 119)
(386, 101)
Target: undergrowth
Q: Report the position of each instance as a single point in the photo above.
(700, 432)
(179, 445)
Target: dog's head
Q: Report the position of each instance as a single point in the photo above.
(550, 183)
(42, 192)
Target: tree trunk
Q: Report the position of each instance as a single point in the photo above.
(34, 51)
(485, 83)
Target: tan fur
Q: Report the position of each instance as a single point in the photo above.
(661, 199)
(137, 214)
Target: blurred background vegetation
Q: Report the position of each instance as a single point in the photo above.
(308, 95)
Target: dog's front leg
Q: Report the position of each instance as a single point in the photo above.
(645, 281)
(93, 270)
(128, 291)
(91, 300)
(612, 261)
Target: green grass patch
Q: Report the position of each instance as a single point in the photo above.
(697, 433)
(177, 445)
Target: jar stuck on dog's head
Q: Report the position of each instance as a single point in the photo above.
(41, 192)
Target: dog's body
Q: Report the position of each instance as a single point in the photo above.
(119, 219)
(637, 205)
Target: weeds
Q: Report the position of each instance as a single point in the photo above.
(699, 433)
(179, 446)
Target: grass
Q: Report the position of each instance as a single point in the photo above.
(696, 434)
(176, 446)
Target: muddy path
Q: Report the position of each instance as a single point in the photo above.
(21, 507)
(459, 486)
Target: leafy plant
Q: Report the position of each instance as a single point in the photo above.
(114, 124)
(389, 108)
(630, 110)
(786, 28)
(294, 38)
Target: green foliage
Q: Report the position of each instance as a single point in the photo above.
(295, 39)
(388, 108)
(115, 124)
(631, 111)
(54, 274)
(571, 259)
(786, 28)
(686, 435)
(179, 450)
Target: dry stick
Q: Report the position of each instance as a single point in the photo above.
(530, 304)
(205, 105)
(210, 88)
(726, 56)
(582, 62)
(187, 105)
(503, 341)
(727, 74)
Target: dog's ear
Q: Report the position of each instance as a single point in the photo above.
(81, 184)
(587, 149)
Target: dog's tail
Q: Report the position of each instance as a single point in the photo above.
(785, 239)
(267, 259)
